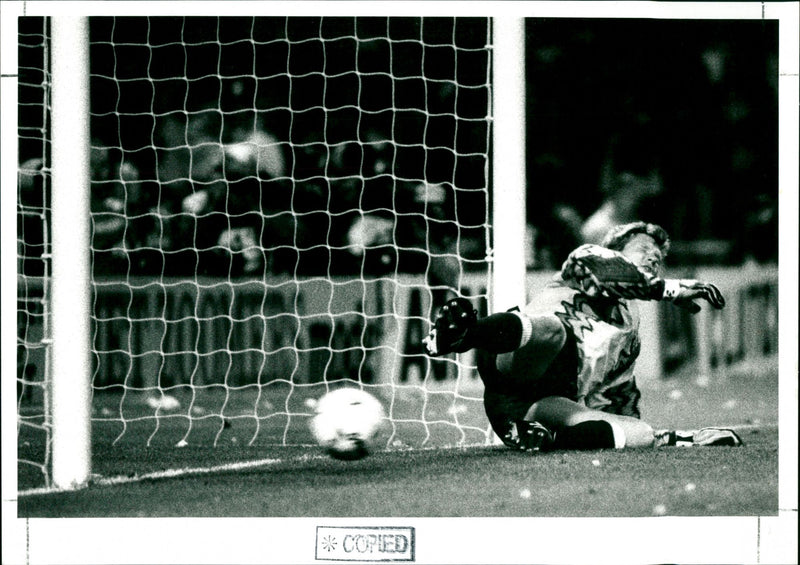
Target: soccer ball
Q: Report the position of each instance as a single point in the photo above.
(346, 422)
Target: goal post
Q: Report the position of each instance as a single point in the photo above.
(509, 182)
(70, 381)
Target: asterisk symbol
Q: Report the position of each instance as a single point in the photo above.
(329, 543)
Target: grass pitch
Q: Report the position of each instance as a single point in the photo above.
(238, 466)
(480, 481)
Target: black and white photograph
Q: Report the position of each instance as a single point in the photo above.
(425, 282)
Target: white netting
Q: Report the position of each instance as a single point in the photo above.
(33, 250)
(278, 204)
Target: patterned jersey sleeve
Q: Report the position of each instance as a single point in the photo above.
(599, 271)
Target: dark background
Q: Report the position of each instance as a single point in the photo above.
(696, 99)
(713, 131)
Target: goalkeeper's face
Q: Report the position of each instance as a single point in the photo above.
(643, 251)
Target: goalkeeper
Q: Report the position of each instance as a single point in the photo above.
(559, 374)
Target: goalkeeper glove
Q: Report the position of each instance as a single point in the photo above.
(683, 293)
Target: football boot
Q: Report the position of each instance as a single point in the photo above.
(451, 328)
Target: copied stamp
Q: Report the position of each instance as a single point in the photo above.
(339, 543)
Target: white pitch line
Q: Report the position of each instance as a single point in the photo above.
(187, 472)
(168, 473)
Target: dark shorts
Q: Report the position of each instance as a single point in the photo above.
(507, 399)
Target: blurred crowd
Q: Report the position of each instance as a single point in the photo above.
(683, 134)
(682, 131)
(225, 203)
(230, 202)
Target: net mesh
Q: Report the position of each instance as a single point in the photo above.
(33, 250)
(277, 207)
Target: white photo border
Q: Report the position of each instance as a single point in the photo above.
(439, 540)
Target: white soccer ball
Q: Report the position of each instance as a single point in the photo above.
(346, 421)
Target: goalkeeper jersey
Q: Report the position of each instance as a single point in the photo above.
(592, 296)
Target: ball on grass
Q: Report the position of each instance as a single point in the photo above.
(346, 421)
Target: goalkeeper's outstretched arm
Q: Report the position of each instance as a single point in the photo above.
(599, 271)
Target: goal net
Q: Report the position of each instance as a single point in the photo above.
(33, 254)
(278, 206)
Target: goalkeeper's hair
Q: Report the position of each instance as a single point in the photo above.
(618, 236)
